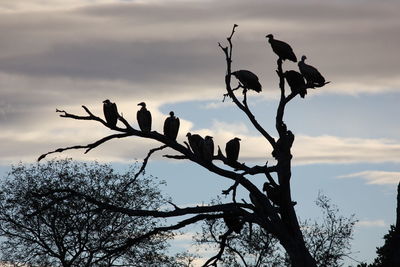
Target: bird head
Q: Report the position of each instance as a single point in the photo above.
(208, 137)
(107, 101)
(142, 104)
(303, 58)
(237, 138)
(269, 36)
(188, 134)
(171, 113)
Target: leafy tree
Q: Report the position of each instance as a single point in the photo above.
(65, 230)
(273, 212)
(328, 240)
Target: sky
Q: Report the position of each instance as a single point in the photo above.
(64, 54)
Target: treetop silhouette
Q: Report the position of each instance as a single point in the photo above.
(273, 211)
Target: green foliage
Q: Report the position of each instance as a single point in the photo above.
(59, 229)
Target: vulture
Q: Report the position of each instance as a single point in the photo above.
(208, 148)
(272, 193)
(196, 142)
(282, 49)
(233, 222)
(296, 82)
(232, 149)
(311, 74)
(248, 80)
(144, 118)
(171, 126)
(110, 113)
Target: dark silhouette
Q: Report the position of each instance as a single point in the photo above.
(110, 113)
(171, 126)
(296, 82)
(39, 228)
(279, 221)
(144, 118)
(311, 74)
(233, 222)
(272, 193)
(282, 49)
(232, 149)
(328, 240)
(208, 148)
(196, 143)
(248, 80)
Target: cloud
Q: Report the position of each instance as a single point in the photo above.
(372, 223)
(62, 54)
(332, 149)
(376, 177)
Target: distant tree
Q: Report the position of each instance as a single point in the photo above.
(65, 230)
(273, 211)
(389, 253)
(328, 240)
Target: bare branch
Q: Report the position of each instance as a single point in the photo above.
(88, 147)
(228, 57)
(145, 164)
(213, 260)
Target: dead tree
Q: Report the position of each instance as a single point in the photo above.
(277, 216)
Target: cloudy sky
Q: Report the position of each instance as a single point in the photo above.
(64, 54)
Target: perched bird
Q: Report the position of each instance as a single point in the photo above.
(196, 142)
(233, 222)
(208, 148)
(312, 75)
(171, 126)
(144, 118)
(296, 82)
(282, 49)
(248, 80)
(273, 193)
(110, 113)
(232, 149)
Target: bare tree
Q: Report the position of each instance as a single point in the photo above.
(63, 229)
(273, 212)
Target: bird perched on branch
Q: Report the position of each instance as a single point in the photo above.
(312, 75)
(110, 113)
(282, 49)
(233, 222)
(208, 148)
(232, 150)
(273, 193)
(248, 80)
(196, 142)
(296, 82)
(144, 118)
(171, 126)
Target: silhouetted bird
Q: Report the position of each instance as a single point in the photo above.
(171, 126)
(312, 75)
(232, 149)
(208, 148)
(144, 118)
(282, 49)
(273, 193)
(233, 222)
(110, 113)
(248, 80)
(196, 142)
(296, 82)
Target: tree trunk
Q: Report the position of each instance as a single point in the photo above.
(299, 255)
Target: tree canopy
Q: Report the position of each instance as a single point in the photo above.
(61, 229)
